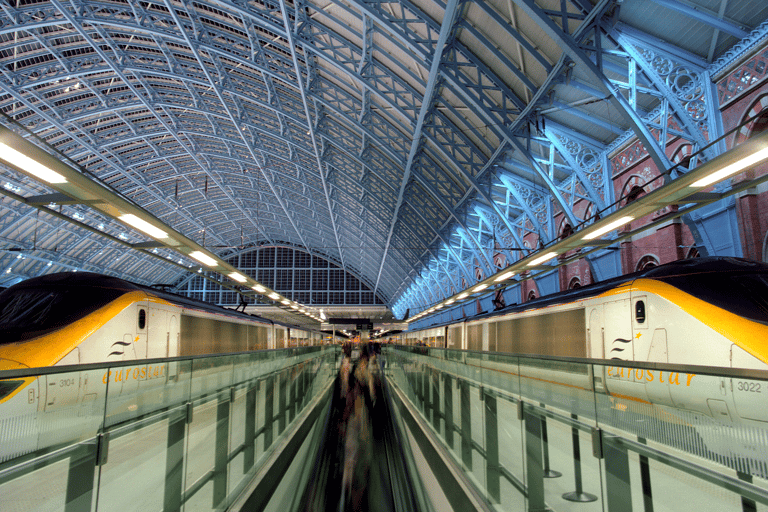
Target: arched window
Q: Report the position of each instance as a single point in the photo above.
(575, 283)
(634, 193)
(566, 231)
(647, 262)
(692, 253)
(531, 294)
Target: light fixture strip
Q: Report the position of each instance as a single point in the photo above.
(30, 165)
(203, 258)
(541, 259)
(142, 225)
(732, 169)
(237, 276)
(608, 228)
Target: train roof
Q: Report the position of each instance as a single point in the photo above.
(43, 304)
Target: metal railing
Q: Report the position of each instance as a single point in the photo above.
(575, 434)
(161, 434)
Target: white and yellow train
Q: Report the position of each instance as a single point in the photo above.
(80, 317)
(710, 312)
(704, 312)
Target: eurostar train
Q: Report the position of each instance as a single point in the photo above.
(80, 317)
(704, 311)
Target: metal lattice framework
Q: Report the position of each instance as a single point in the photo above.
(414, 144)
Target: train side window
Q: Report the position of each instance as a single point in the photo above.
(640, 311)
(142, 318)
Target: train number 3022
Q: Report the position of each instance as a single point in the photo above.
(754, 387)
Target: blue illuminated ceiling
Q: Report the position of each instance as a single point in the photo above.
(409, 143)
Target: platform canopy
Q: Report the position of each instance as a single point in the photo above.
(414, 144)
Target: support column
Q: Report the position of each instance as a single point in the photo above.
(82, 468)
(534, 474)
(222, 450)
(174, 461)
(282, 397)
(269, 411)
(448, 409)
(466, 426)
(493, 475)
(435, 401)
(249, 452)
(618, 491)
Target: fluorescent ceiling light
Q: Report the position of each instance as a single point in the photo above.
(259, 288)
(733, 168)
(439, 306)
(30, 165)
(285, 301)
(504, 276)
(449, 302)
(237, 276)
(462, 295)
(273, 296)
(608, 227)
(480, 287)
(294, 306)
(541, 259)
(203, 258)
(143, 225)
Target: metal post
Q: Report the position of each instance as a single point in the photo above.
(269, 411)
(493, 475)
(534, 475)
(282, 397)
(249, 452)
(222, 450)
(618, 491)
(466, 426)
(448, 409)
(747, 505)
(294, 394)
(82, 466)
(578, 495)
(435, 402)
(174, 462)
(548, 473)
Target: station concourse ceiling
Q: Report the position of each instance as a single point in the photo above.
(410, 143)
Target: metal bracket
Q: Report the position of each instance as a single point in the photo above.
(520, 410)
(597, 442)
(190, 412)
(102, 448)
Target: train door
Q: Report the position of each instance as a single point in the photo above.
(157, 333)
(596, 346)
(618, 345)
(173, 337)
(62, 390)
(142, 329)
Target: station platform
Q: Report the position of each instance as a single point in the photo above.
(448, 430)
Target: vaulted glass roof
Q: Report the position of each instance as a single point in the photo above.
(413, 144)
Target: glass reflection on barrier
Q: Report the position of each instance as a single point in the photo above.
(556, 434)
(180, 434)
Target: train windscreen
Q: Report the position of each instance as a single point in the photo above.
(27, 312)
(744, 294)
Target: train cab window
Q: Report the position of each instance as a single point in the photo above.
(142, 318)
(640, 311)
